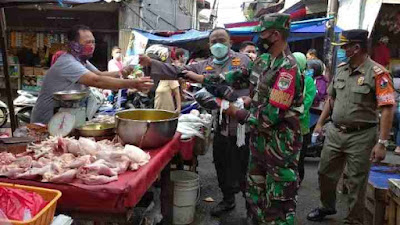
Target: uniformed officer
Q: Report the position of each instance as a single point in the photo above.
(230, 160)
(360, 89)
(275, 138)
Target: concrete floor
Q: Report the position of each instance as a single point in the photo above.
(308, 197)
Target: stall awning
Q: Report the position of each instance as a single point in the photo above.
(8, 3)
(191, 39)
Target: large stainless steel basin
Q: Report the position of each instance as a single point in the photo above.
(146, 128)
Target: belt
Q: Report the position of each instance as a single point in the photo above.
(350, 129)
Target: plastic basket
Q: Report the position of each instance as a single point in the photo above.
(45, 216)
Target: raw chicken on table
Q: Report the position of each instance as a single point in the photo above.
(62, 160)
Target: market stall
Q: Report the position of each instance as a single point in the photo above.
(34, 30)
(387, 24)
(94, 188)
(113, 202)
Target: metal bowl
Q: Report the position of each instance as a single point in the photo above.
(96, 130)
(72, 95)
(146, 128)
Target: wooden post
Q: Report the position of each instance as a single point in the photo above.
(329, 50)
(3, 47)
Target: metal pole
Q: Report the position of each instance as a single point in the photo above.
(3, 46)
(330, 57)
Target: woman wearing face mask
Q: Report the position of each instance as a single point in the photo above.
(314, 69)
(230, 159)
(115, 64)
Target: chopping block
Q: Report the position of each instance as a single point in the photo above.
(15, 145)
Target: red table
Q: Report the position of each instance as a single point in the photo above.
(115, 197)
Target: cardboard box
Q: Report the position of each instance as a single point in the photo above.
(27, 70)
(38, 71)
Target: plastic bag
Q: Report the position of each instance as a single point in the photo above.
(16, 204)
(3, 219)
(95, 100)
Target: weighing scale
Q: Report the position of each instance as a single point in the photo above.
(71, 113)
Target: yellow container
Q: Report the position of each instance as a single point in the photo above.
(45, 216)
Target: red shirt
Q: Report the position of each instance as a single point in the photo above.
(381, 54)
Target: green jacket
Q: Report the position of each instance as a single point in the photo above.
(309, 93)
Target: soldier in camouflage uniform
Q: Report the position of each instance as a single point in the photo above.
(274, 113)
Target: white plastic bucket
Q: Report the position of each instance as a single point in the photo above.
(186, 196)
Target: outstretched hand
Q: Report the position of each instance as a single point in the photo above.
(143, 83)
(127, 70)
(193, 77)
(144, 60)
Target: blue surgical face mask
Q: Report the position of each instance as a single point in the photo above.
(309, 72)
(219, 50)
(341, 56)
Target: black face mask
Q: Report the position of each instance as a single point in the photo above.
(264, 44)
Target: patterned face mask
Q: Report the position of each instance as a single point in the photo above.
(81, 52)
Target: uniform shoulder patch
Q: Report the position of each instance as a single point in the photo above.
(378, 70)
(209, 68)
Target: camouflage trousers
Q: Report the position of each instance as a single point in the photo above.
(272, 181)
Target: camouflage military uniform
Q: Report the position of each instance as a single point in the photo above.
(276, 140)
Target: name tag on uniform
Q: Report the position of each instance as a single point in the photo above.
(209, 70)
(360, 80)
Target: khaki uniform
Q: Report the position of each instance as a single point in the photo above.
(353, 132)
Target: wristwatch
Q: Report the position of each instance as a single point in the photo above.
(385, 143)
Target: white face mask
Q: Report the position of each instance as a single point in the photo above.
(117, 56)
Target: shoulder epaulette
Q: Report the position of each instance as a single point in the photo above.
(378, 70)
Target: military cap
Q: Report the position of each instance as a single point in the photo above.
(352, 36)
(278, 21)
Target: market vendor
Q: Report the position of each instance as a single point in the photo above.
(73, 71)
(230, 160)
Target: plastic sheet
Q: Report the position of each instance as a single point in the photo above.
(19, 204)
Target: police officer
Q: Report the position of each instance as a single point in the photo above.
(230, 160)
(360, 88)
(275, 137)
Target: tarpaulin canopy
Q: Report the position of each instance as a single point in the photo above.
(307, 29)
(8, 3)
